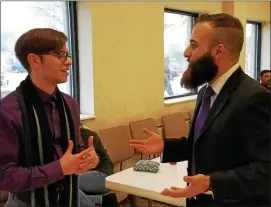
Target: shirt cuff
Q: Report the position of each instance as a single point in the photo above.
(209, 190)
(161, 157)
(209, 193)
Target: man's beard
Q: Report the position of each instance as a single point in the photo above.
(199, 72)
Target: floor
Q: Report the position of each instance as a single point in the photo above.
(2, 204)
(142, 202)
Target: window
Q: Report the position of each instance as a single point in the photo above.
(253, 49)
(72, 18)
(177, 32)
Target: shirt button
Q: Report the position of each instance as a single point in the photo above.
(56, 130)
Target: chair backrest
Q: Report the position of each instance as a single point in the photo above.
(174, 125)
(116, 141)
(136, 128)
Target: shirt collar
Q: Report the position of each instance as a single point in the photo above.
(220, 82)
(45, 97)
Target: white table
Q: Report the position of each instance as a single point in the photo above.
(150, 185)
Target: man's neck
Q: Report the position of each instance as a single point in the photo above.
(43, 85)
(223, 69)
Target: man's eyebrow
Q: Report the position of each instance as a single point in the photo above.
(193, 41)
(59, 51)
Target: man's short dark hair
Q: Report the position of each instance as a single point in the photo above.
(264, 71)
(227, 30)
(38, 41)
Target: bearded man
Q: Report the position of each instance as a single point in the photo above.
(228, 147)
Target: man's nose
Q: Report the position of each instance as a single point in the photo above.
(68, 61)
(186, 53)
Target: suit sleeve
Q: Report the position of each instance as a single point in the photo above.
(175, 150)
(254, 130)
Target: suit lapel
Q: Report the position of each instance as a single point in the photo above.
(222, 99)
(220, 102)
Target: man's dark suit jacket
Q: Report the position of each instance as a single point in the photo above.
(234, 145)
(267, 87)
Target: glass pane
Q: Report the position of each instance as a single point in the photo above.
(250, 66)
(28, 15)
(177, 33)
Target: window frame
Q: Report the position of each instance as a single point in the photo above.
(73, 44)
(258, 47)
(193, 20)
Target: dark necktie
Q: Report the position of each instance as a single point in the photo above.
(201, 117)
(203, 112)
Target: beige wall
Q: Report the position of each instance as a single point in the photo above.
(262, 10)
(128, 58)
(258, 11)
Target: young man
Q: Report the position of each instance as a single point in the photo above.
(228, 148)
(41, 150)
(265, 79)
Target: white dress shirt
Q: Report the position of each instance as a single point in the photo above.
(220, 82)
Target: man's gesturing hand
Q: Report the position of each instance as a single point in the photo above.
(69, 162)
(89, 160)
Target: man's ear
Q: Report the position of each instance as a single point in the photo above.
(219, 50)
(34, 60)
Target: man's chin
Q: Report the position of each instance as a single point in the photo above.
(190, 85)
(62, 80)
(191, 88)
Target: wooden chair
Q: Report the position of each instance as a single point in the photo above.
(174, 125)
(116, 141)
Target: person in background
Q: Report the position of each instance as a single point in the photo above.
(265, 79)
(92, 183)
(167, 77)
(41, 150)
(228, 147)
